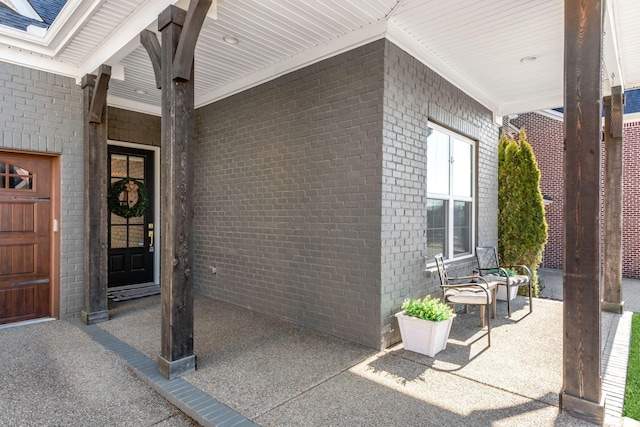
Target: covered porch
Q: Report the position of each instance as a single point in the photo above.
(461, 84)
(262, 370)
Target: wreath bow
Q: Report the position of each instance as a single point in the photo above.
(128, 198)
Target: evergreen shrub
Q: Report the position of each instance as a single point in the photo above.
(522, 227)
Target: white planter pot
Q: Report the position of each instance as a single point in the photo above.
(502, 293)
(424, 336)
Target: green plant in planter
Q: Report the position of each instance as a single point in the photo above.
(427, 309)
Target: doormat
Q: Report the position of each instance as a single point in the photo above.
(125, 293)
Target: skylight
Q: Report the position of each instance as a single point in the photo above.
(34, 17)
(22, 7)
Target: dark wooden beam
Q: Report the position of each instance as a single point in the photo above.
(613, 165)
(183, 60)
(95, 206)
(581, 394)
(149, 40)
(176, 205)
(617, 112)
(99, 98)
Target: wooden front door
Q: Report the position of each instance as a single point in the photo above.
(131, 238)
(25, 237)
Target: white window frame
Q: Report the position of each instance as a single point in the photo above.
(450, 199)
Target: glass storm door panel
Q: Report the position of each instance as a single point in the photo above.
(131, 237)
(25, 237)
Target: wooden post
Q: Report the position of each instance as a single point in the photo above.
(176, 181)
(613, 133)
(581, 394)
(96, 213)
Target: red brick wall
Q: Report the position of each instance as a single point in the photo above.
(546, 137)
(631, 201)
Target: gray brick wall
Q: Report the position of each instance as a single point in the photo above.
(130, 126)
(288, 196)
(413, 95)
(310, 191)
(310, 188)
(41, 112)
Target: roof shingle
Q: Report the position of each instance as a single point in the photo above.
(48, 9)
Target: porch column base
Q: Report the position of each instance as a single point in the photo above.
(583, 409)
(94, 317)
(612, 307)
(177, 368)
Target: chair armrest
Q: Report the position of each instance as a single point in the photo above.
(462, 285)
(523, 267)
(497, 271)
(463, 277)
(480, 282)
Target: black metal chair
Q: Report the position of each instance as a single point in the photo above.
(468, 290)
(491, 270)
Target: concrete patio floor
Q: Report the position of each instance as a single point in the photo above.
(275, 373)
(272, 373)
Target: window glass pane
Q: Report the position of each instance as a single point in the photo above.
(20, 182)
(118, 237)
(462, 167)
(461, 228)
(118, 166)
(450, 192)
(3, 169)
(136, 220)
(136, 236)
(123, 198)
(438, 162)
(118, 220)
(436, 227)
(19, 178)
(136, 167)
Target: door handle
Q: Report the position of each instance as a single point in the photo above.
(150, 234)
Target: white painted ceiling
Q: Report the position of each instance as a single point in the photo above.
(477, 45)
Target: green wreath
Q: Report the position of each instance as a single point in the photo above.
(121, 207)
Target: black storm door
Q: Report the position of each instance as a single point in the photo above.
(131, 230)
